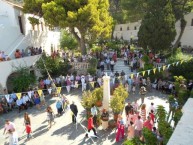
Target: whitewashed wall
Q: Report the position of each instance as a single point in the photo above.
(126, 34)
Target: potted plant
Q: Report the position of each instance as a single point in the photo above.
(112, 123)
(117, 102)
(98, 95)
(117, 106)
(87, 101)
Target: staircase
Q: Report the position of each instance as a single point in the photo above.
(119, 66)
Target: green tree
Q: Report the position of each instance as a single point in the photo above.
(87, 20)
(67, 40)
(23, 79)
(180, 9)
(55, 67)
(157, 29)
(134, 9)
(137, 9)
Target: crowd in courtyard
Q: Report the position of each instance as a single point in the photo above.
(137, 116)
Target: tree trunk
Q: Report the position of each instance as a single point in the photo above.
(82, 46)
(80, 40)
(183, 25)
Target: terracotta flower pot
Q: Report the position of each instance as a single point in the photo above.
(99, 103)
(116, 116)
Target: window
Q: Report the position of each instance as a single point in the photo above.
(128, 28)
(192, 23)
(20, 24)
(120, 28)
(135, 28)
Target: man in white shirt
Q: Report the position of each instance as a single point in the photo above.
(138, 126)
(83, 81)
(19, 104)
(24, 103)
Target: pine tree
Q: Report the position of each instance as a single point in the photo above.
(157, 29)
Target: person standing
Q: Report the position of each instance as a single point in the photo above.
(131, 131)
(50, 116)
(143, 112)
(59, 107)
(91, 126)
(120, 128)
(94, 113)
(138, 126)
(74, 110)
(128, 108)
(9, 129)
(112, 63)
(148, 124)
(105, 118)
(142, 92)
(27, 119)
(28, 131)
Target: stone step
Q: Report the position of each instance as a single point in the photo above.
(119, 66)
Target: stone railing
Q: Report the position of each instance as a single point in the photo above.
(158, 64)
(80, 67)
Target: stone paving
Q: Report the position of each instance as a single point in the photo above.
(64, 132)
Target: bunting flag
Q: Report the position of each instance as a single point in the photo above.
(177, 63)
(131, 76)
(148, 72)
(159, 68)
(92, 84)
(143, 72)
(168, 66)
(50, 90)
(164, 67)
(181, 61)
(58, 90)
(154, 70)
(137, 75)
(40, 92)
(7, 97)
(18, 95)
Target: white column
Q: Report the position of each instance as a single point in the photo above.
(106, 92)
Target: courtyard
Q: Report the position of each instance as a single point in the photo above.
(64, 131)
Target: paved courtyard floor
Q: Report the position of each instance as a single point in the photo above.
(64, 132)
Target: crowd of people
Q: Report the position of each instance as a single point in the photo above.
(21, 53)
(28, 52)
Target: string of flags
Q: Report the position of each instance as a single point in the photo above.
(40, 91)
(159, 68)
(76, 85)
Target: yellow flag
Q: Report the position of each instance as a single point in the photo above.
(154, 70)
(143, 72)
(164, 67)
(181, 61)
(131, 76)
(58, 90)
(92, 84)
(18, 95)
(40, 92)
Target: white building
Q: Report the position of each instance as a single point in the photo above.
(183, 132)
(130, 30)
(16, 33)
